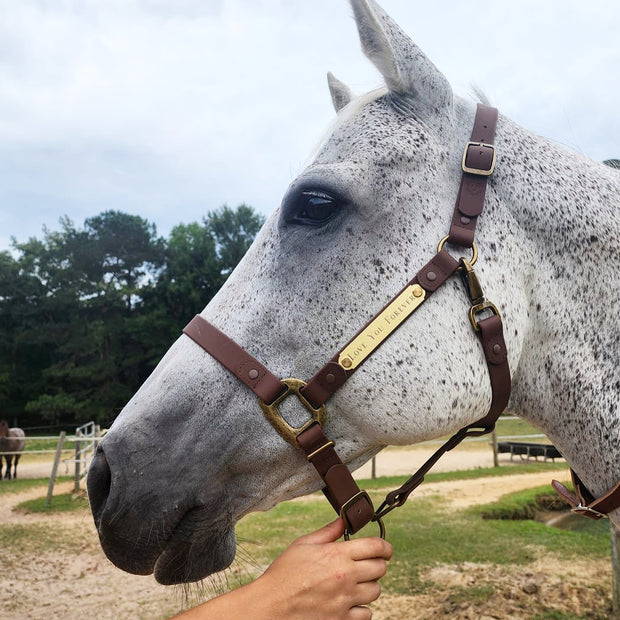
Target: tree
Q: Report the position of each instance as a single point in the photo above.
(86, 313)
(234, 232)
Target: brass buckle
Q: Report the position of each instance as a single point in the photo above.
(474, 248)
(474, 310)
(479, 171)
(347, 523)
(272, 413)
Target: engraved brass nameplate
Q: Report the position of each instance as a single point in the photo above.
(381, 327)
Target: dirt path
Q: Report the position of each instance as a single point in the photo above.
(44, 581)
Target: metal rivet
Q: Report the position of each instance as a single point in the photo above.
(330, 378)
(346, 363)
(465, 220)
(253, 374)
(497, 349)
(417, 291)
(431, 276)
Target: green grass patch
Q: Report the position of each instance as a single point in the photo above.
(521, 505)
(34, 538)
(8, 487)
(65, 502)
(532, 467)
(425, 534)
(50, 443)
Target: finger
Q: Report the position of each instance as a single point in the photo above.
(369, 570)
(328, 533)
(364, 548)
(359, 613)
(366, 593)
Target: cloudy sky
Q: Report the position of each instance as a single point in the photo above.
(171, 108)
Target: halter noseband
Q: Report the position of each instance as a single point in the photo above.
(353, 504)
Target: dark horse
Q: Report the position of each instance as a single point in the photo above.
(12, 441)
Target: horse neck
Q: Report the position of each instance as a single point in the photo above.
(567, 382)
(561, 199)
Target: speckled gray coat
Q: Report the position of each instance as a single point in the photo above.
(191, 453)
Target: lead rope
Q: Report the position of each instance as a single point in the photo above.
(353, 504)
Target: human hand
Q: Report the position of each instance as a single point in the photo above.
(318, 577)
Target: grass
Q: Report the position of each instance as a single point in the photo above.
(65, 502)
(8, 487)
(425, 534)
(466, 474)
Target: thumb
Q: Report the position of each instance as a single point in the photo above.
(327, 534)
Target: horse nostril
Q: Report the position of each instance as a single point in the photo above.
(98, 484)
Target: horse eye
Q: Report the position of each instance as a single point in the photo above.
(313, 208)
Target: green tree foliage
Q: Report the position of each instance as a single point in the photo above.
(86, 313)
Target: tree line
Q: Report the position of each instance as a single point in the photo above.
(87, 312)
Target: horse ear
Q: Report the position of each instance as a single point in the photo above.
(341, 93)
(406, 70)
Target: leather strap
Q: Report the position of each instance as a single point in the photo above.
(584, 503)
(340, 489)
(333, 376)
(491, 336)
(235, 358)
(479, 155)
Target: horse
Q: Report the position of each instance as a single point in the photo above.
(12, 442)
(192, 452)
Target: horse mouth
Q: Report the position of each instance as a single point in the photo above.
(196, 549)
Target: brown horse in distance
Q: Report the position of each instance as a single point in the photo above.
(12, 441)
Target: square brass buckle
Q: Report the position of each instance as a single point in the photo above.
(272, 412)
(479, 171)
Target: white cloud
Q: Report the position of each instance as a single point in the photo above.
(170, 108)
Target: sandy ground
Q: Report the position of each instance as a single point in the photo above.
(45, 582)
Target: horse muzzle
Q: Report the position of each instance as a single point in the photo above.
(179, 542)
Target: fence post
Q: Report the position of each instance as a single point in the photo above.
(373, 468)
(50, 488)
(494, 443)
(78, 462)
(615, 568)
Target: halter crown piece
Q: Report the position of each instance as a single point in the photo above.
(352, 504)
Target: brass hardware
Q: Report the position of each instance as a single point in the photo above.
(375, 519)
(586, 511)
(478, 171)
(272, 413)
(474, 310)
(381, 327)
(347, 523)
(472, 260)
(329, 444)
(474, 288)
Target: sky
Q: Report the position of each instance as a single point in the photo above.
(169, 109)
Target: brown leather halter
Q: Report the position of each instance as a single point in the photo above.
(341, 490)
(354, 505)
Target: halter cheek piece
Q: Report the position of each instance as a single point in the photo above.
(353, 504)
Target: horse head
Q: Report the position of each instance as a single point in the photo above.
(192, 452)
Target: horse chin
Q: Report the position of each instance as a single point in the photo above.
(196, 549)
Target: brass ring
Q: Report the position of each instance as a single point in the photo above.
(376, 519)
(474, 257)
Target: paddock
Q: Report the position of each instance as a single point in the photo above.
(66, 574)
